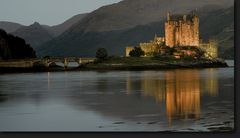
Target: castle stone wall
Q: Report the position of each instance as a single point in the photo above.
(148, 48)
(210, 48)
(169, 34)
(182, 32)
(128, 49)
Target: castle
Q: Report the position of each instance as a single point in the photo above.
(180, 30)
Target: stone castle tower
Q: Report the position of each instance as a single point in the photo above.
(182, 30)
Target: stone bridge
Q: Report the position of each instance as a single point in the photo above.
(67, 60)
(26, 63)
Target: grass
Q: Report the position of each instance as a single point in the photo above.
(143, 63)
(145, 60)
(130, 60)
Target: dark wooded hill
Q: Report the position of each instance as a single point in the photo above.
(13, 47)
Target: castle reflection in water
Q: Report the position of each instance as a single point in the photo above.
(179, 90)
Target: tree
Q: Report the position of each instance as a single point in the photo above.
(170, 50)
(162, 44)
(200, 53)
(101, 54)
(46, 57)
(136, 52)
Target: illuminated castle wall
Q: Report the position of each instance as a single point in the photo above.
(182, 30)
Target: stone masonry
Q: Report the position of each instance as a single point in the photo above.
(182, 30)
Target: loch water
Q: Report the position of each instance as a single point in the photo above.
(192, 100)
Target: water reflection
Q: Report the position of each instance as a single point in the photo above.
(155, 87)
(3, 97)
(49, 81)
(180, 90)
(182, 94)
(211, 84)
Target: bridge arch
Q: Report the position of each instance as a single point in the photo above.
(66, 62)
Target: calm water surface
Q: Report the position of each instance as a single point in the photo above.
(172, 100)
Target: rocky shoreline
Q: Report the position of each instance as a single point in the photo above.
(164, 66)
(108, 67)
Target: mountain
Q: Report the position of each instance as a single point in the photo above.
(219, 25)
(12, 47)
(34, 34)
(133, 21)
(37, 34)
(226, 41)
(59, 29)
(9, 26)
(130, 13)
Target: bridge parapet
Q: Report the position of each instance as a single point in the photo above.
(67, 60)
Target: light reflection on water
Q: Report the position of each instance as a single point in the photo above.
(179, 89)
(70, 64)
(98, 101)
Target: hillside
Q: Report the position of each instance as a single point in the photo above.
(226, 41)
(34, 34)
(219, 25)
(130, 13)
(59, 29)
(9, 26)
(84, 40)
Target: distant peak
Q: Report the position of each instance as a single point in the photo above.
(36, 24)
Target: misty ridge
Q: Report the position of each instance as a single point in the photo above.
(128, 22)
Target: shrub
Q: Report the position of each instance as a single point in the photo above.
(137, 52)
(170, 51)
(46, 57)
(101, 54)
(188, 58)
(200, 53)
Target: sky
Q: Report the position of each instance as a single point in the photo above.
(48, 12)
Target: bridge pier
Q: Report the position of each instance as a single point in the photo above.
(65, 63)
(47, 63)
(80, 61)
